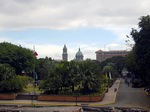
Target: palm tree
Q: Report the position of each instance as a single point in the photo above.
(89, 76)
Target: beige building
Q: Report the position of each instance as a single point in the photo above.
(103, 55)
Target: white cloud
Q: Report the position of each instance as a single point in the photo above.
(58, 14)
(118, 16)
(55, 51)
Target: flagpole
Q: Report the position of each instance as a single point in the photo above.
(33, 78)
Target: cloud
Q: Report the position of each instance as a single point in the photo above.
(57, 14)
(117, 16)
(55, 51)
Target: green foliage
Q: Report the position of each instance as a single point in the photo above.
(13, 60)
(6, 72)
(18, 57)
(17, 83)
(30, 88)
(140, 56)
(71, 77)
(43, 67)
(131, 64)
(89, 76)
(9, 82)
(115, 65)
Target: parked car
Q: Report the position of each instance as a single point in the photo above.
(137, 83)
(147, 89)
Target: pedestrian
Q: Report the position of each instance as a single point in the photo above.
(128, 84)
(115, 89)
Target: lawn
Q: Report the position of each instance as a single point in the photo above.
(30, 88)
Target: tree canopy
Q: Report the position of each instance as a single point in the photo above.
(18, 57)
(71, 77)
(118, 63)
(9, 81)
(141, 49)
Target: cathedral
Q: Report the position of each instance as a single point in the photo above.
(65, 54)
(78, 57)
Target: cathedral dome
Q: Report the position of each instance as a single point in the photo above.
(79, 55)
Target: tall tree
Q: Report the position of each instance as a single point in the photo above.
(141, 38)
(74, 76)
(43, 66)
(9, 82)
(18, 57)
(89, 76)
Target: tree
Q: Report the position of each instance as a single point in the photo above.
(131, 64)
(53, 82)
(43, 66)
(89, 76)
(141, 49)
(18, 57)
(72, 77)
(118, 62)
(6, 72)
(9, 81)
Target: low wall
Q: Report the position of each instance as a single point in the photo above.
(8, 96)
(63, 98)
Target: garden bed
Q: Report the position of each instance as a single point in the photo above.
(6, 96)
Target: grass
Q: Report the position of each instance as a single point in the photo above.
(30, 88)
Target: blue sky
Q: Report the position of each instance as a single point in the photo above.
(89, 24)
(48, 36)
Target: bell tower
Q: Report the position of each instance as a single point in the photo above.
(65, 54)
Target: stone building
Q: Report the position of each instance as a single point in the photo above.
(103, 55)
(79, 56)
(65, 54)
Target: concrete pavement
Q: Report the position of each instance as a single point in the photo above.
(109, 98)
(128, 96)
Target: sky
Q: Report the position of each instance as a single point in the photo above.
(90, 25)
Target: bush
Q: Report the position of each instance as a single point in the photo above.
(14, 84)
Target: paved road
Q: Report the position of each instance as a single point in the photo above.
(131, 97)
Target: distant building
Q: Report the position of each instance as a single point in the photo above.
(103, 55)
(79, 56)
(65, 54)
